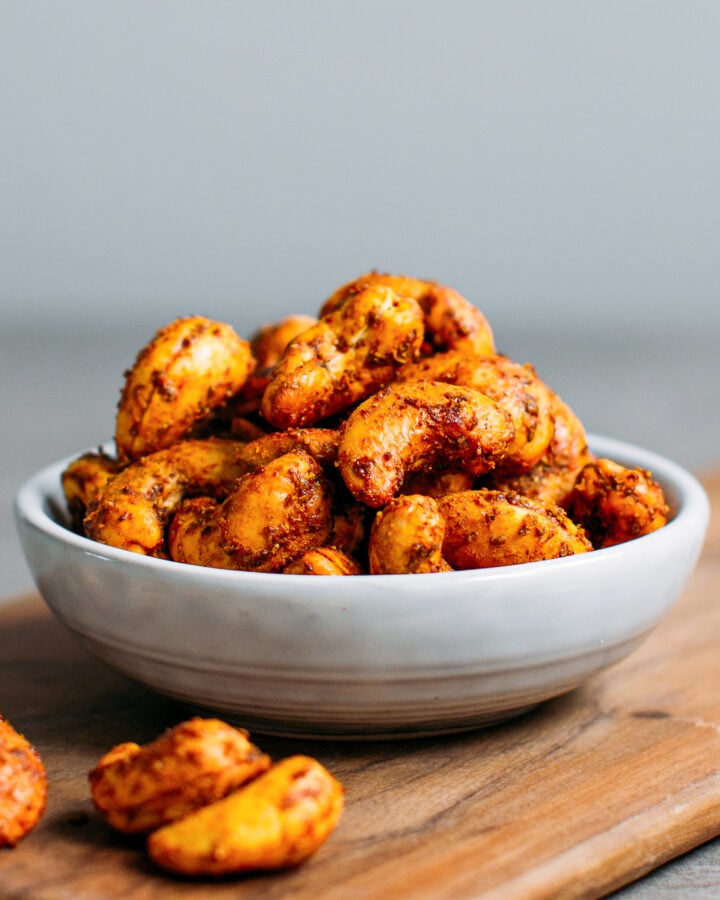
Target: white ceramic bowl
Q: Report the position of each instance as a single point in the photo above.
(374, 655)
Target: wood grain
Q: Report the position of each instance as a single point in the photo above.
(578, 797)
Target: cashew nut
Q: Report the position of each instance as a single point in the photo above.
(486, 528)
(324, 561)
(450, 320)
(192, 366)
(416, 426)
(23, 785)
(139, 788)
(552, 478)
(270, 518)
(276, 821)
(515, 387)
(83, 480)
(350, 353)
(407, 537)
(616, 504)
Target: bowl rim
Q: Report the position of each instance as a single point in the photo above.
(687, 497)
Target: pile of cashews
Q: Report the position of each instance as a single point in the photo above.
(386, 435)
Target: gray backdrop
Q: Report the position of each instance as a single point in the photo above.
(558, 162)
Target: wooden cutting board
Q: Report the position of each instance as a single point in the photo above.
(579, 797)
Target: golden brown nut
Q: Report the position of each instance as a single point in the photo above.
(277, 513)
(616, 504)
(195, 536)
(267, 346)
(139, 788)
(23, 785)
(350, 353)
(270, 341)
(276, 821)
(348, 527)
(83, 479)
(417, 426)
(133, 508)
(515, 387)
(487, 528)
(271, 517)
(192, 366)
(407, 537)
(324, 561)
(552, 478)
(320, 443)
(450, 320)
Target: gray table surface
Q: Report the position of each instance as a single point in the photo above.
(59, 389)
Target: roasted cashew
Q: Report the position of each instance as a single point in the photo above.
(195, 535)
(552, 478)
(486, 528)
(616, 504)
(450, 320)
(267, 345)
(192, 366)
(23, 785)
(139, 788)
(271, 517)
(269, 342)
(515, 387)
(348, 355)
(348, 527)
(83, 479)
(320, 443)
(276, 821)
(324, 561)
(407, 537)
(132, 509)
(417, 426)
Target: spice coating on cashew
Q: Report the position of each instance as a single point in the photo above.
(324, 561)
(139, 788)
(615, 503)
(348, 527)
(320, 443)
(350, 353)
(278, 820)
(416, 426)
(552, 478)
(515, 387)
(267, 346)
(23, 785)
(450, 320)
(270, 518)
(269, 342)
(195, 536)
(487, 528)
(83, 480)
(192, 366)
(407, 537)
(132, 509)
